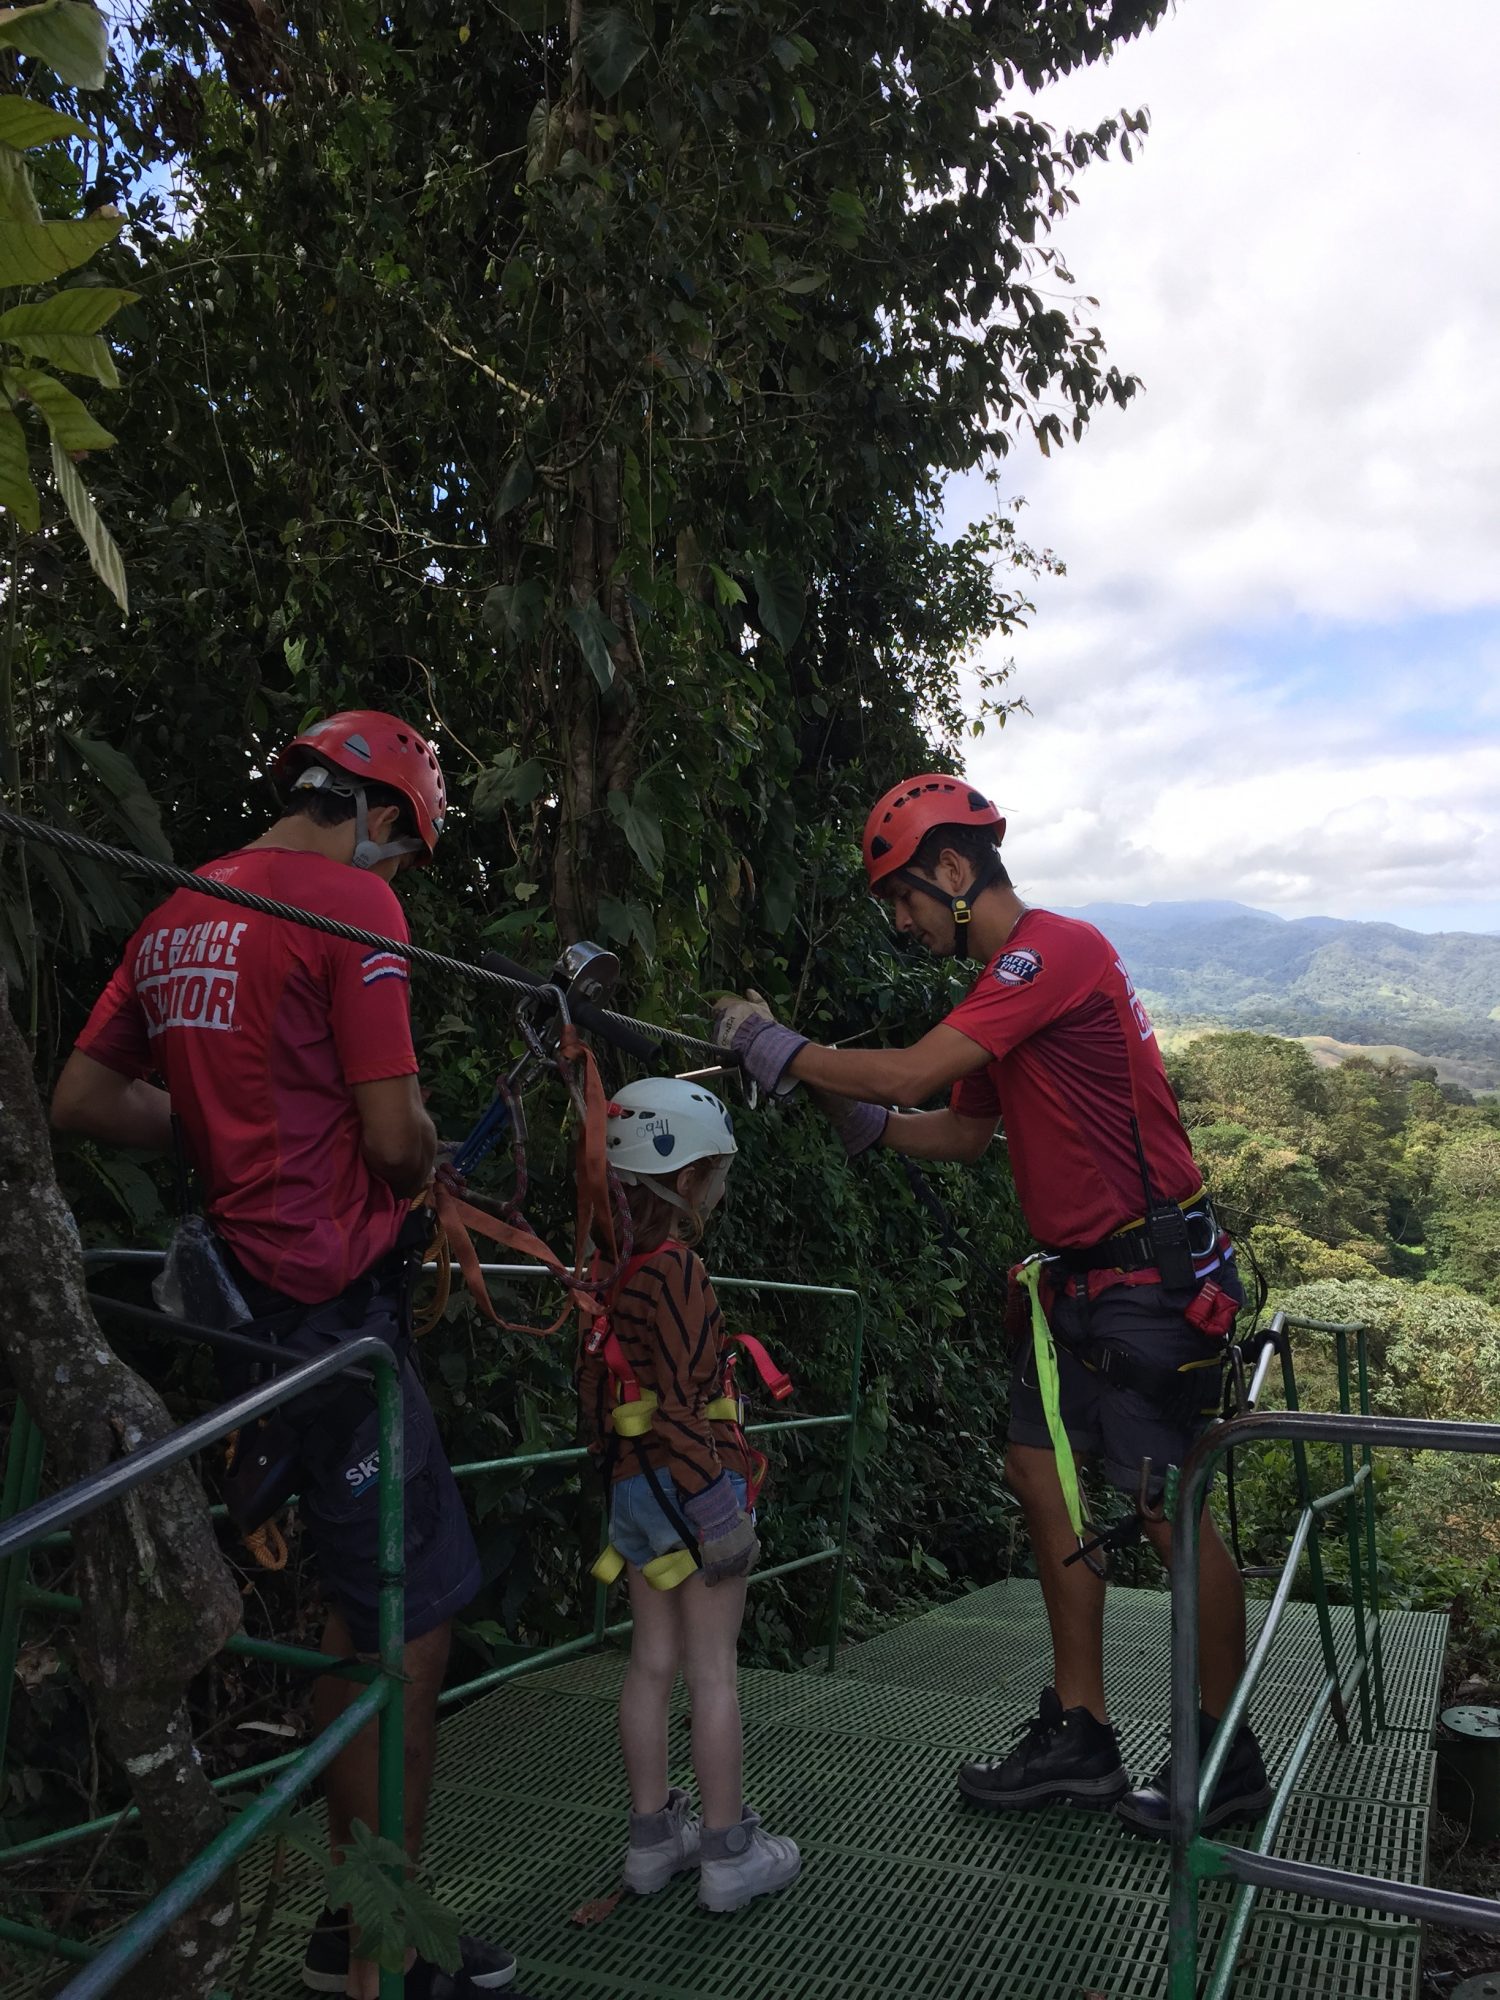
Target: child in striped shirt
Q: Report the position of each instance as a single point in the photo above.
(680, 1506)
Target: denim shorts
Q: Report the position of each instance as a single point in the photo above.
(637, 1526)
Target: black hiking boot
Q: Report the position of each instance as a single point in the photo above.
(485, 1969)
(1066, 1757)
(1242, 1793)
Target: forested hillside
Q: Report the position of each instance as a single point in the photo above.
(1222, 963)
(1367, 1193)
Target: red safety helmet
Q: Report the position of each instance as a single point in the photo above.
(368, 743)
(901, 819)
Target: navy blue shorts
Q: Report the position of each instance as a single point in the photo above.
(1123, 1426)
(338, 1472)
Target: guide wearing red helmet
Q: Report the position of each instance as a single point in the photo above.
(1136, 1289)
(285, 1058)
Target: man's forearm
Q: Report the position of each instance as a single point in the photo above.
(880, 1076)
(102, 1104)
(938, 1135)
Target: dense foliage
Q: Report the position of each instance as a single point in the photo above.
(584, 387)
(1367, 1194)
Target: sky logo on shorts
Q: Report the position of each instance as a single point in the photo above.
(1018, 967)
(364, 1473)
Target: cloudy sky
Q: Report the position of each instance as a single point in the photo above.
(1272, 671)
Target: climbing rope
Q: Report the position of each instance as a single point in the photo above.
(170, 876)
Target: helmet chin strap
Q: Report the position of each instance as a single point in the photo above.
(370, 853)
(713, 1194)
(367, 853)
(960, 908)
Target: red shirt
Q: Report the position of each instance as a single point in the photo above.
(1075, 1056)
(258, 1028)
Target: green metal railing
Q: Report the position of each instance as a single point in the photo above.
(25, 1526)
(1194, 1857)
(382, 1698)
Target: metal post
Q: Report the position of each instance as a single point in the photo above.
(1182, 1909)
(1367, 1456)
(23, 1474)
(392, 1498)
(841, 1568)
(1352, 1507)
(1314, 1551)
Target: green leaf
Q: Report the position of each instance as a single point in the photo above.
(64, 34)
(515, 485)
(805, 281)
(509, 781)
(127, 788)
(513, 611)
(24, 123)
(100, 543)
(726, 590)
(640, 823)
(780, 598)
(627, 922)
(66, 418)
(388, 1909)
(17, 493)
(595, 635)
(33, 253)
(611, 47)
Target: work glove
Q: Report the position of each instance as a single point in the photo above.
(749, 1028)
(859, 1125)
(727, 1544)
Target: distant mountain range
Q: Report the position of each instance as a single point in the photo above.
(1435, 995)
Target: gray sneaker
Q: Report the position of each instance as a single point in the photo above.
(738, 1863)
(662, 1844)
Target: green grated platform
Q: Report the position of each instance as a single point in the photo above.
(906, 1890)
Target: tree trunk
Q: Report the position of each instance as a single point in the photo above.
(158, 1599)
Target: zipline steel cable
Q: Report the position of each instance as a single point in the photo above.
(170, 876)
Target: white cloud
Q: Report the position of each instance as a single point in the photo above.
(1240, 687)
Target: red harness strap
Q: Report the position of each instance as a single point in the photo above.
(601, 1339)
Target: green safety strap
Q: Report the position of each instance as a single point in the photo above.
(1046, 1375)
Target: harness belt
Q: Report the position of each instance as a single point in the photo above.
(634, 1413)
(1211, 1311)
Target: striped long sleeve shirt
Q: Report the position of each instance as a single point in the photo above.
(671, 1331)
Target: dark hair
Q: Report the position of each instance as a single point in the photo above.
(976, 844)
(331, 808)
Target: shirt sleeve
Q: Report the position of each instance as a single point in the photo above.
(370, 991)
(1019, 992)
(684, 1365)
(115, 1032)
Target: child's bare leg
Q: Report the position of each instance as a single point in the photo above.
(655, 1655)
(710, 1638)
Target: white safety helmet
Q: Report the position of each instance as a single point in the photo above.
(662, 1124)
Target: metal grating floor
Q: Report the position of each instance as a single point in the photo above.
(906, 1890)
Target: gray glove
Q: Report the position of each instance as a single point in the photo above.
(859, 1125)
(727, 1544)
(748, 1027)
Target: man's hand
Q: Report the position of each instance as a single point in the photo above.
(749, 1028)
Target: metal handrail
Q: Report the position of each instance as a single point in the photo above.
(293, 1770)
(383, 1698)
(1195, 1858)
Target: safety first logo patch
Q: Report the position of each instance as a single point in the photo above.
(1018, 967)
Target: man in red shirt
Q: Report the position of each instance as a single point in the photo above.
(286, 1057)
(1053, 1042)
